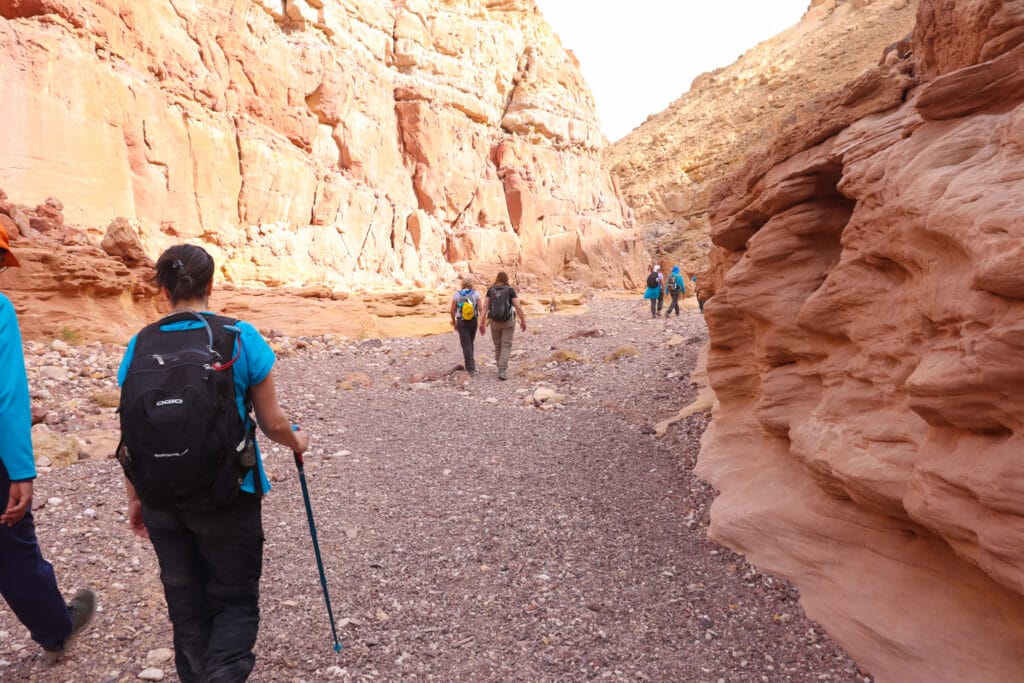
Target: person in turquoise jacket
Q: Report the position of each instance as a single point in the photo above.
(27, 581)
(675, 288)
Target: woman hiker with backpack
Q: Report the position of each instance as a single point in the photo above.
(498, 306)
(208, 539)
(465, 304)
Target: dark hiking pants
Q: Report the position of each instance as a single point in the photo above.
(674, 293)
(210, 565)
(467, 333)
(27, 581)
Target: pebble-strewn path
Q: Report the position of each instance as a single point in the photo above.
(473, 530)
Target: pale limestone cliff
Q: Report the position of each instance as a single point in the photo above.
(867, 354)
(667, 166)
(348, 143)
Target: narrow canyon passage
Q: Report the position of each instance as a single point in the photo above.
(468, 533)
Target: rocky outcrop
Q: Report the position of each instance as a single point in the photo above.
(346, 143)
(866, 354)
(668, 166)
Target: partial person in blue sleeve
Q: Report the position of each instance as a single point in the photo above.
(211, 559)
(27, 581)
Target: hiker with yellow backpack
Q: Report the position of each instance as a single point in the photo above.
(464, 308)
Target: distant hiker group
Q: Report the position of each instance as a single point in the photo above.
(499, 309)
(658, 285)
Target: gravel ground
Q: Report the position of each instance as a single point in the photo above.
(471, 531)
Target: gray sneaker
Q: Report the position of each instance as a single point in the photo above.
(81, 608)
(502, 375)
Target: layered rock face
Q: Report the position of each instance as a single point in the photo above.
(668, 166)
(867, 354)
(351, 143)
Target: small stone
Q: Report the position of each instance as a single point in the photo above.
(154, 658)
(54, 501)
(542, 394)
(152, 674)
(89, 512)
(54, 372)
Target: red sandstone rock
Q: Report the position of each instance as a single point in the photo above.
(866, 355)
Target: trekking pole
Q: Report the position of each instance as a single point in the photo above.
(316, 545)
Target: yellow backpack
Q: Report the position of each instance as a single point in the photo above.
(466, 308)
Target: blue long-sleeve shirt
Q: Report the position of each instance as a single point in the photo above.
(15, 411)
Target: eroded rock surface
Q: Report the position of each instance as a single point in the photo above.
(334, 142)
(866, 352)
(668, 167)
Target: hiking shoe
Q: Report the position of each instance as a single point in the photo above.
(82, 608)
(502, 375)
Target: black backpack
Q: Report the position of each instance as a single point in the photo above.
(500, 305)
(652, 280)
(183, 441)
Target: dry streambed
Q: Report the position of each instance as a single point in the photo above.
(472, 529)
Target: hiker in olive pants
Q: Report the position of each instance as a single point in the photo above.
(497, 311)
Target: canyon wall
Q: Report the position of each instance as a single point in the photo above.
(346, 143)
(667, 167)
(867, 354)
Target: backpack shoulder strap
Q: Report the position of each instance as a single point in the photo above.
(226, 336)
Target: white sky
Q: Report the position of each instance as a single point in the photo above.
(638, 56)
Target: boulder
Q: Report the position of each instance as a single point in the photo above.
(60, 450)
(122, 241)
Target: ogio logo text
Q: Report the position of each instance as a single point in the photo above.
(169, 401)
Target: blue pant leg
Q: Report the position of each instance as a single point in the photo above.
(27, 581)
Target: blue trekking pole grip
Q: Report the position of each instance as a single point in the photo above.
(316, 545)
